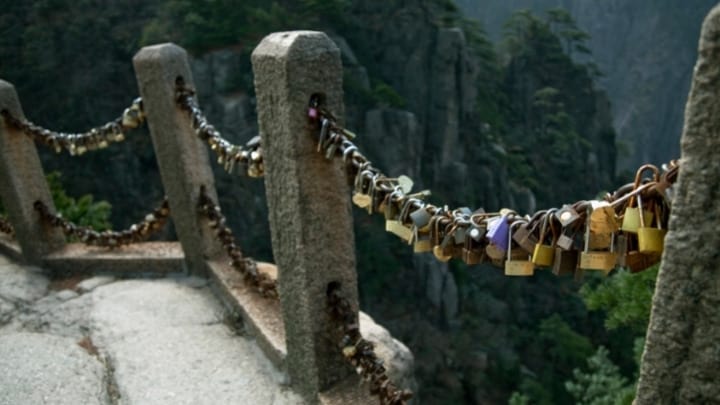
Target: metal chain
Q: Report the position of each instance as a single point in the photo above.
(261, 282)
(360, 353)
(77, 144)
(6, 227)
(376, 192)
(152, 223)
(229, 155)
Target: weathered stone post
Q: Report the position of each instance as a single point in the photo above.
(308, 198)
(182, 157)
(681, 362)
(22, 182)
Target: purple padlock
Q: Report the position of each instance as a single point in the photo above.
(498, 231)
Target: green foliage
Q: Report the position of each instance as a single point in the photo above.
(519, 399)
(625, 297)
(562, 350)
(385, 96)
(82, 211)
(200, 25)
(550, 113)
(601, 383)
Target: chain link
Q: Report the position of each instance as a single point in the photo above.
(152, 223)
(6, 227)
(229, 155)
(360, 353)
(77, 144)
(261, 282)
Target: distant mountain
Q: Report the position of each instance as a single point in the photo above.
(645, 48)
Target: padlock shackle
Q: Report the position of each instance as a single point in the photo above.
(510, 232)
(638, 178)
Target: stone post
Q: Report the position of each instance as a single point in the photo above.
(682, 352)
(182, 157)
(22, 182)
(308, 199)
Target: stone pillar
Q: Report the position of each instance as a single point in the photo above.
(308, 199)
(22, 182)
(682, 351)
(182, 157)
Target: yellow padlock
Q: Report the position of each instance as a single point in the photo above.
(631, 218)
(544, 255)
(522, 268)
(650, 240)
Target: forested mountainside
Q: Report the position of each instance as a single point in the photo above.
(523, 125)
(646, 50)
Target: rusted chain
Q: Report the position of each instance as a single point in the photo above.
(152, 223)
(229, 155)
(77, 144)
(261, 282)
(360, 352)
(462, 232)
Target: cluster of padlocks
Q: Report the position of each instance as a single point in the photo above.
(229, 155)
(77, 144)
(152, 223)
(626, 229)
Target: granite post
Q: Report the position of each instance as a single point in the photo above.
(182, 156)
(22, 183)
(308, 199)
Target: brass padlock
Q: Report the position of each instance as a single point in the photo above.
(602, 217)
(650, 240)
(522, 268)
(544, 255)
(631, 218)
(397, 226)
(598, 260)
(438, 225)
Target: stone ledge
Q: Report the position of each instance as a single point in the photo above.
(74, 258)
(261, 316)
(10, 248)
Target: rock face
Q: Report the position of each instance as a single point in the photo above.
(646, 50)
(681, 361)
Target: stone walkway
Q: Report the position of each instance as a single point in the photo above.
(107, 341)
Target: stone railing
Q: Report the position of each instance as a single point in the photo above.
(307, 195)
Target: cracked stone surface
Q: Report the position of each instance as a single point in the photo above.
(46, 369)
(107, 341)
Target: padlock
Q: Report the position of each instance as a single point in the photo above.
(565, 241)
(525, 236)
(631, 218)
(567, 215)
(438, 225)
(397, 225)
(629, 257)
(473, 250)
(498, 232)
(602, 217)
(544, 255)
(421, 230)
(598, 260)
(517, 267)
(564, 262)
(650, 240)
